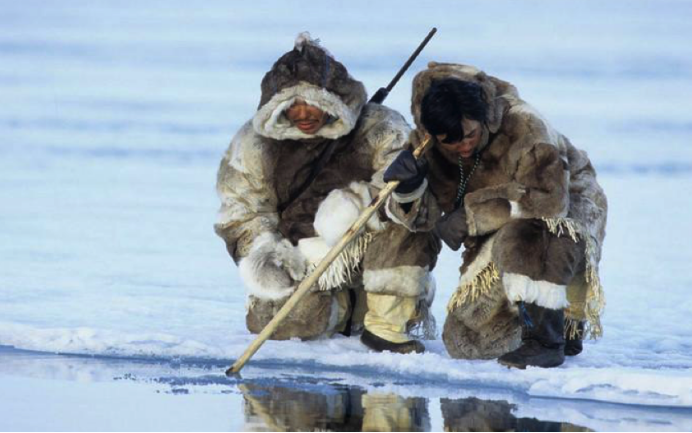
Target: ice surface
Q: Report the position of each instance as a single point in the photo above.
(115, 116)
(99, 393)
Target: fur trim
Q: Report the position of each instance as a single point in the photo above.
(271, 260)
(515, 209)
(595, 298)
(542, 293)
(413, 195)
(270, 121)
(479, 278)
(414, 283)
(342, 207)
(303, 39)
(430, 289)
(425, 325)
(390, 203)
(409, 281)
(344, 268)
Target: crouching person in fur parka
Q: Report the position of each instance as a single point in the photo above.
(280, 215)
(525, 204)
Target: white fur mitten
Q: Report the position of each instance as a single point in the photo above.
(272, 267)
(341, 209)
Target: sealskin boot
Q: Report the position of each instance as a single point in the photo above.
(380, 344)
(573, 346)
(542, 341)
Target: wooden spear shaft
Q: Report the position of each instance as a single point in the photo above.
(308, 282)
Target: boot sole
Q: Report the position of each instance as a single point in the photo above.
(512, 365)
(378, 344)
(523, 366)
(570, 351)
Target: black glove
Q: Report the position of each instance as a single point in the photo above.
(408, 170)
(452, 228)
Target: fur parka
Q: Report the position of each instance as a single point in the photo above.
(268, 160)
(530, 177)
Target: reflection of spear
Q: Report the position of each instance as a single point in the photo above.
(351, 234)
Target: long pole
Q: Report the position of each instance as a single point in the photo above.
(382, 92)
(308, 282)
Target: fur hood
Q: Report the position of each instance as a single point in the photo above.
(310, 73)
(497, 93)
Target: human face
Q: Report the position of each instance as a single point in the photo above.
(468, 144)
(308, 118)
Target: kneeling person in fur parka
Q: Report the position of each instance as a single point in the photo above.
(280, 215)
(526, 205)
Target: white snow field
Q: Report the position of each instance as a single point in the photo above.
(113, 120)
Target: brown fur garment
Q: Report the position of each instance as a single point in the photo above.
(483, 328)
(308, 320)
(533, 191)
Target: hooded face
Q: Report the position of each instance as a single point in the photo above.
(308, 94)
(496, 92)
(308, 118)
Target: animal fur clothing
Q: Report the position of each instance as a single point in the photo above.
(276, 238)
(535, 214)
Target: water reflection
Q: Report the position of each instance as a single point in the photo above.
(279, 408)
(294, 398)
(472, 414)
(292, 407)
(272, 408)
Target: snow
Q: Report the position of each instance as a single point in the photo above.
(115, 116)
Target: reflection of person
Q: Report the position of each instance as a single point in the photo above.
(284, 408)
(524, 202)
(280, 214)
(472, 414)
(338, 408)
(391, 412)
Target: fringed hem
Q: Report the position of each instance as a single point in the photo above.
(481, 284)
(346, 266)
(572, 331)
(595, 298)
(424, 325)
(560, 226)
